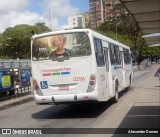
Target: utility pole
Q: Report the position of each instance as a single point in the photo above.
(50, 15)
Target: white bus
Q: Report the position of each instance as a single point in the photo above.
(78, 65)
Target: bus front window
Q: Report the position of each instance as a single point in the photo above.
(61, 46)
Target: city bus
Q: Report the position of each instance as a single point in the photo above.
(78, 65)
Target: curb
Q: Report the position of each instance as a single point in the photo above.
(16, 102)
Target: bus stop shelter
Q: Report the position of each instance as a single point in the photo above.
(147, 15)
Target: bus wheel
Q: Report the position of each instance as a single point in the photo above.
(115, 98)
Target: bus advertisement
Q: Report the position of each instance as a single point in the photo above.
(24, 77)
(5, 80)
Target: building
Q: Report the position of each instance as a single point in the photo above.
(101, 10)
(109, 5)
(78, 21)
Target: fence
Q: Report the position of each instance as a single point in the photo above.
(14, 78)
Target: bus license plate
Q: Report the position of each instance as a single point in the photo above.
(63, 87)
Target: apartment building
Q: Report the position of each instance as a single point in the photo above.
(101, 10)
(79, 21)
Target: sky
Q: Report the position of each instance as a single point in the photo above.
(14, 12)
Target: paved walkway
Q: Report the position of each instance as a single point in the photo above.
(16, 101)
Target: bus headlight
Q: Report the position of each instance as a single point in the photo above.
(36, 88)
(92, 83)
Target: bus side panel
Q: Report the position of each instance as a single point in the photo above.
(101, 77)
(102, 84)
(128, 72)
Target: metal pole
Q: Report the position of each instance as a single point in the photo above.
(50, 15)
(116, 30)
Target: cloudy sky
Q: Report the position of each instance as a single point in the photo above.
(13, 12)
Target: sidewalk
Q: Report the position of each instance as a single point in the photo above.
(16, 101)
(144, 67)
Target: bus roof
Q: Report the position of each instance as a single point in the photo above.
(60, 32)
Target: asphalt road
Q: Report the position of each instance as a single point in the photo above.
(138, 107)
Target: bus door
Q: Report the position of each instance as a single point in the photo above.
(118, 67)
(127, 66)
(107, 71)
(123, 70)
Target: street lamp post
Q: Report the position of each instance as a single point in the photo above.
(1, 49)
(117, 30)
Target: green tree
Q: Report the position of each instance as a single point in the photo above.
(2, 47)
(15, 41)
(125, 29)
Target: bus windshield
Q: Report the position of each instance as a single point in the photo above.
(59, 46)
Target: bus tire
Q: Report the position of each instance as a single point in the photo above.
(115, 98)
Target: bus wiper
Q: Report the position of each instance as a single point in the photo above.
(60, 59)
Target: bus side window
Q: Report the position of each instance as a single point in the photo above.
(115, 54)
(118, 55)
(127, 58)
(99, 52)
(112, 54)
